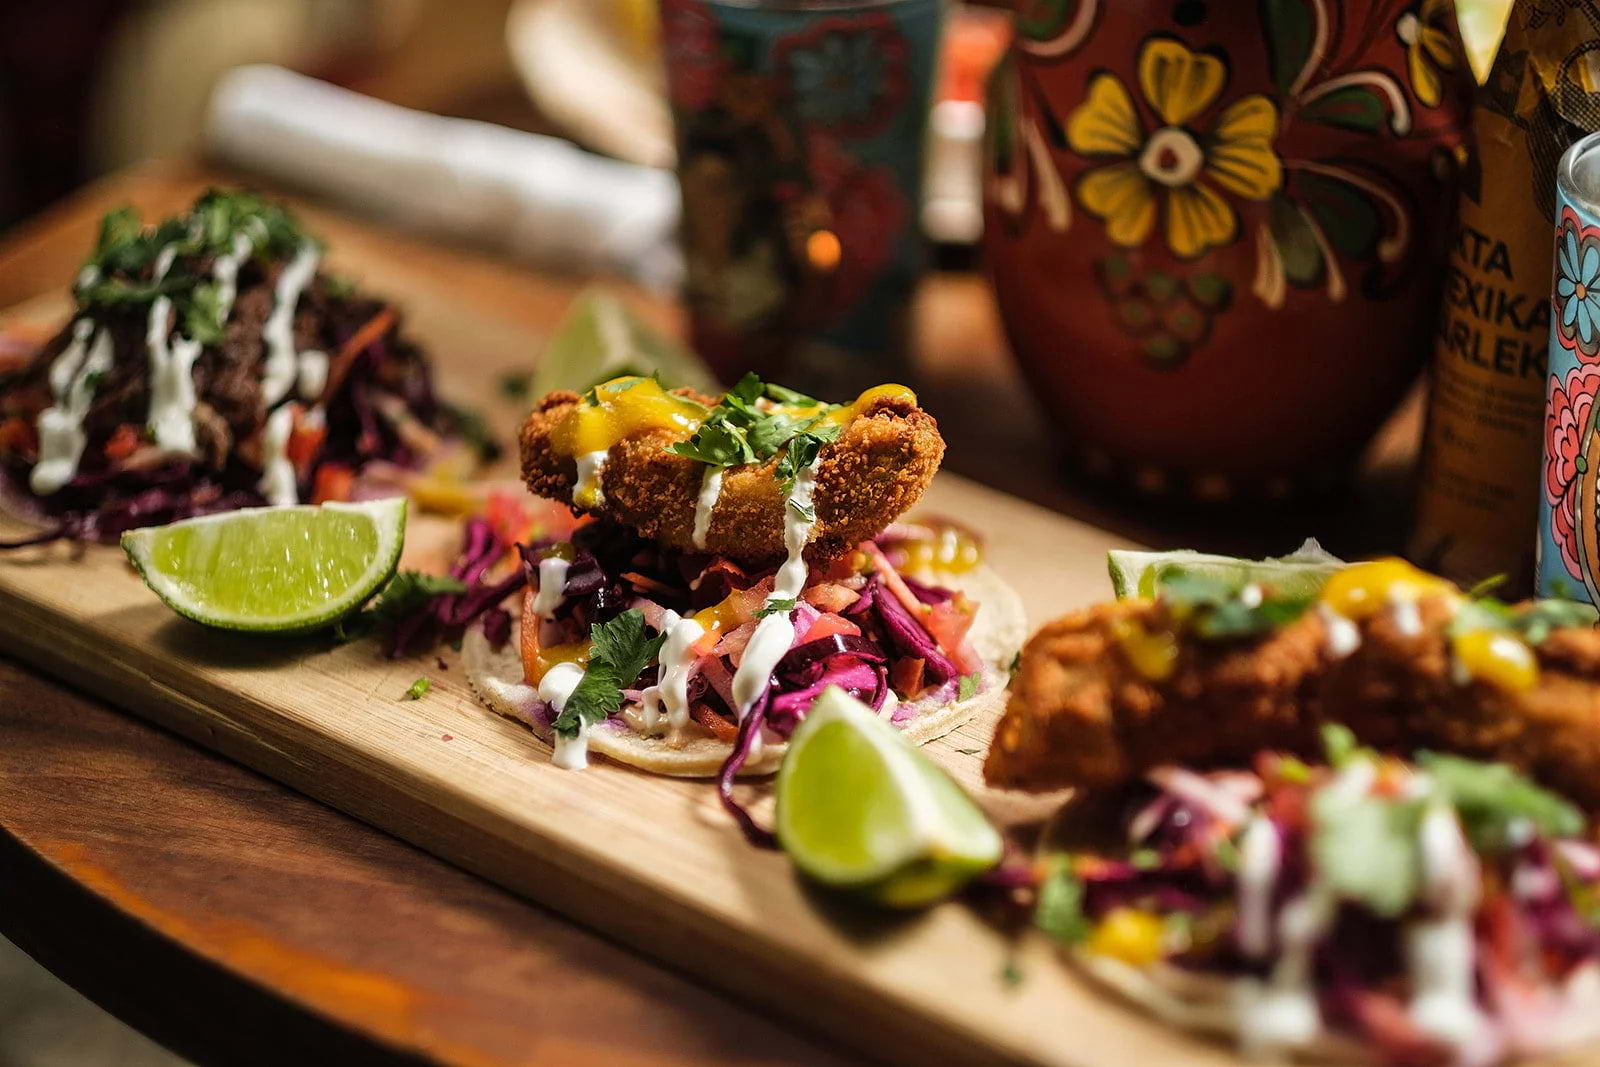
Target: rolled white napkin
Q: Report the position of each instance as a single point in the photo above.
(536, 198)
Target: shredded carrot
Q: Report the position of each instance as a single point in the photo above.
(305, 441)
(334, 482)
(369, 332)
(644, 582)
(125, 441)
(720, 728)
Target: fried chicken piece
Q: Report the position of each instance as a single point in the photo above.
(1081, 715)
(876, 470)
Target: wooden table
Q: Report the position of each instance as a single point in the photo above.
(239, 922)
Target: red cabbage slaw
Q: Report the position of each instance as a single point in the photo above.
(1457, 905)
(859, 625)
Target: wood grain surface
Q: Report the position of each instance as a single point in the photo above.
(357, 947)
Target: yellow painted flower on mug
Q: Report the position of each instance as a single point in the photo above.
(1173, 166)
(1427, 32)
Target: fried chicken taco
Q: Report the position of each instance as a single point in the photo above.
(210, 364)
(738, 556)
(1346, 824)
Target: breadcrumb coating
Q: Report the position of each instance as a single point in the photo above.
(878, 469)
(1080, 715)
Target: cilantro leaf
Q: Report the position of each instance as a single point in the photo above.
(802, 453)
(717, 444)
(1366, 848)
(1493, 797)
(621, 651)
(409, 591)
(807, 512)
(1218, 609)
(417, 689)
(967, 688)
(1542, 616)
(1059, 910)
(776, 607)
(784, 395)
(202, 320)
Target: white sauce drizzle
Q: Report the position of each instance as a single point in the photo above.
(1260, 853)
(775, 634)
(283, 364)
(710, 490)
(677, 664)
(72, 381)
(1343, 637)
(555, 689)
(587, 493)
(1440, 949)
(278, 482)
(1282, 1013)
(1406, 614)
(225, 271)
(552, 583)
(1250, 596)
(170, 417)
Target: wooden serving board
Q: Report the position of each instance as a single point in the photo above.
(653, 862)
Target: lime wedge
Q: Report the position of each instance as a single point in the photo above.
(1301, 573)
(271, 569)
(860, 808)
(601, 338)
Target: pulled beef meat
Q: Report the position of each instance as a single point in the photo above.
(388, 373)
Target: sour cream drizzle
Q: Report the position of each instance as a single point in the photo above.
(555, 689)
(285, 366)
(775, 634)
(1282, 1012)
(278, 482)
(710, 490)
(552, 583)
(1260, 853)
(587, 493)
(1440, 949)
(170, 418)
(1343, 636)
(677, 661)
(72, 378)
(225, 271)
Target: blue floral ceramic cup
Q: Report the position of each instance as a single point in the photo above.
(800, 130)
(1569, 544)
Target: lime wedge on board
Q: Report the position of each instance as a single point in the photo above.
(601, 338)
(1302, 573)
(860, 808)
(271, 569)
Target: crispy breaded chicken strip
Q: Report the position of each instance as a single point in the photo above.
(876, 470)
(1081, 715)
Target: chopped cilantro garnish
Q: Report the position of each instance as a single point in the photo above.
(967, 687)
(92, 380)
(1532, 623)
(807, 512)
(1366, 848)
(621, 650)
(776, 607)
(1059, 911)
(407, 593)
(418, 687)
(737, 432)
(1220, 609)
(802, 453)
(1492, 798)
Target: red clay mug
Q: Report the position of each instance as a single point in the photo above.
(1217, 229)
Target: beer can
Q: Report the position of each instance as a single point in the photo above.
(1569, 543)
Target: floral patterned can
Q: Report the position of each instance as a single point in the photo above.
(800, 131)
(1217, 227)
(1569, 540)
